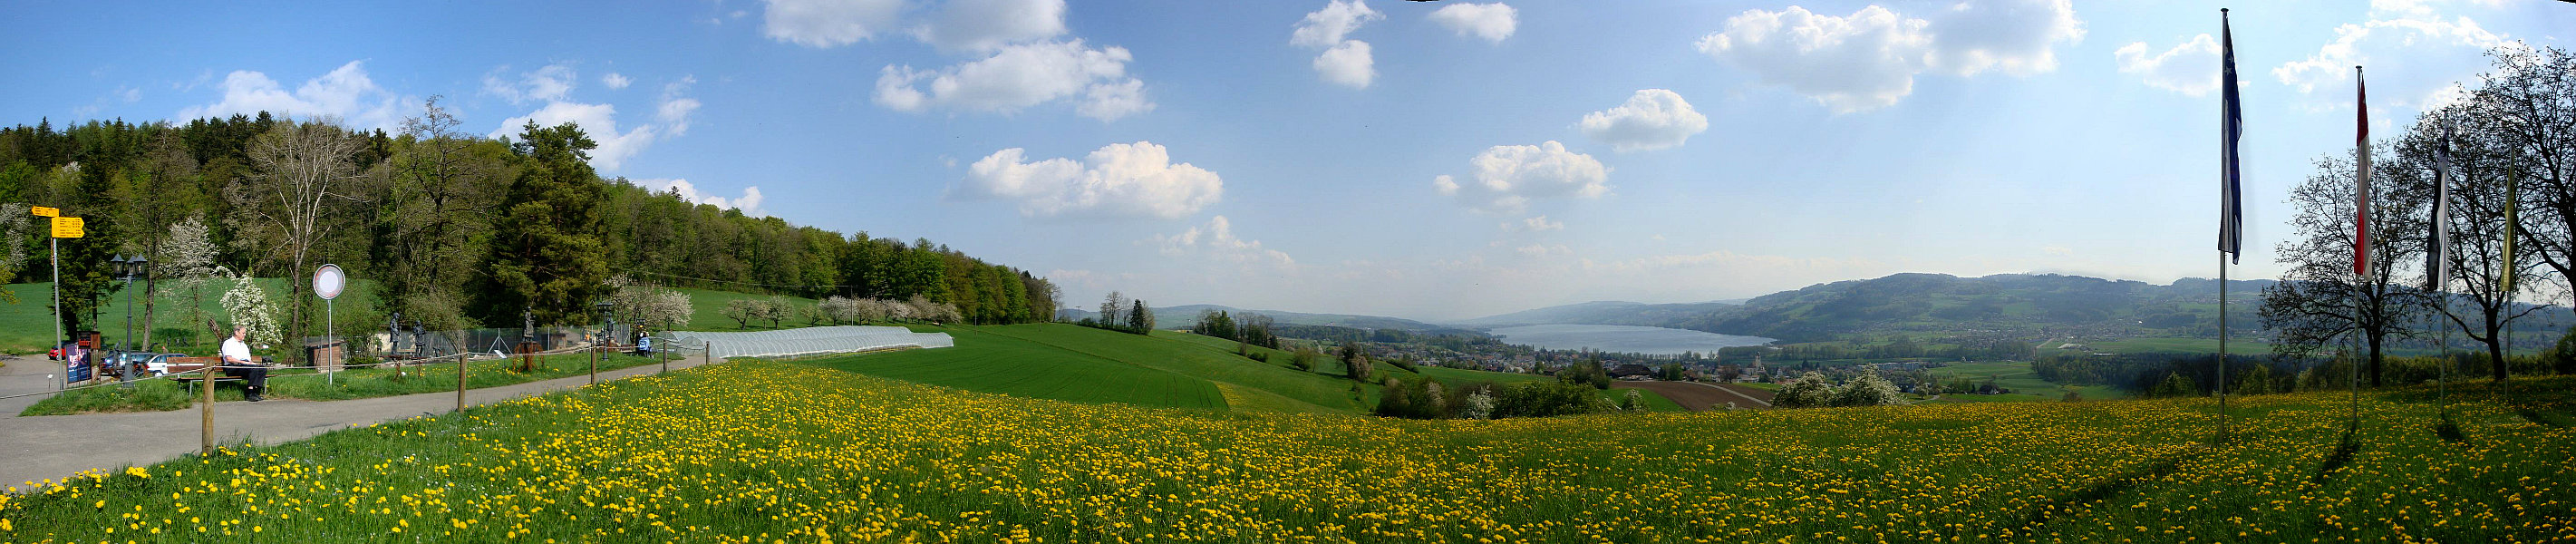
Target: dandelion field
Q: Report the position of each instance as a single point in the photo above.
(757, 451)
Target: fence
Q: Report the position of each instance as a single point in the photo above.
(812, 340)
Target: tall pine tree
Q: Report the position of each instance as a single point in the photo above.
(547, 257)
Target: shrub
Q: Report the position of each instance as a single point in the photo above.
(1632, 402)
(1544, 399)
(1304, 359)
(1406, 363)
(1808, 391)
(1481, 406)
(1868, 390)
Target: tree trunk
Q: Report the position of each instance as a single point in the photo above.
(148, 285)
(2376, 358)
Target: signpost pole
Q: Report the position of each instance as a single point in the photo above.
(58, 309)
(330, 320)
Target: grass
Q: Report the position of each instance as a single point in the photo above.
(757, 451)
(996, 363)
(2017, 376)
(158, 395)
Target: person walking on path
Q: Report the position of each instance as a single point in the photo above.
(238, 364)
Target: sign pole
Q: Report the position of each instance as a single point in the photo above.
(65, 358)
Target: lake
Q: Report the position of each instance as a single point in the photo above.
(1624, 339)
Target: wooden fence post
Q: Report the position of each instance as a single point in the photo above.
(460, 382)
(206, 413)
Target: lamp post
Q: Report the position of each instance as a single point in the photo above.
(129, 267)
(607, 322)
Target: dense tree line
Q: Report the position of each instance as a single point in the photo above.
(451, 230)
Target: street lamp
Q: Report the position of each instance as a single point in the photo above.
(607, 322)
(129, 266)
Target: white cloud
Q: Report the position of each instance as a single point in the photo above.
(1868, 60)
(345, 93)
(1493, 22)
(1020, 76)
(2403, 28)
(1651, 119)
(548, 83)
(986, 25)
(553, 85)
(2190, 68)
(599, 121)
(1326, 27)
(1348, 64)
(1118, 180)
(1343, 62)
(1216, 240)
(676, 106)
(1507, 177)
(1543, 250)
(828, 23)
(749, 202)
(1534, 224)
(2014, 36)
(615, 80)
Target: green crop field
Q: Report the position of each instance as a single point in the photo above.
(754, 451)
(2017, 376)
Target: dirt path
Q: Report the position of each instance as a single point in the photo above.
(1699, 397)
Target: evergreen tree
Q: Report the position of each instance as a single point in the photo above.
(547, 257)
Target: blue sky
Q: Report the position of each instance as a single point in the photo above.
(1431, 160)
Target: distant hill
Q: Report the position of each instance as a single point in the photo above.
(1999, 305)
(1600, 313)
(1180, 317)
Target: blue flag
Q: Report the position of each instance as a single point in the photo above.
(2231, 128)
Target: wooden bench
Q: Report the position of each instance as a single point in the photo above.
(188, 370)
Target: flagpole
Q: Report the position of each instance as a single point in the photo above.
(2361, 240)
(2231, 229)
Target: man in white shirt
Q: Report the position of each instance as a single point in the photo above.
(238, 363)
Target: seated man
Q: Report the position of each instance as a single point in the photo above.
(644, 345)
(238, 363)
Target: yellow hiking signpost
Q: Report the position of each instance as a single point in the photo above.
(67, 227)
(42, 211)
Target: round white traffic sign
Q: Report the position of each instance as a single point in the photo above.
(328, 281)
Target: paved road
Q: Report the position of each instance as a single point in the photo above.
(42, 448)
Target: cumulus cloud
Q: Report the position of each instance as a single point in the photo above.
(2190, 68)
(676, 106)
(1868, 60)
(1534, 224)
(828, 23)
(1651, 119)
(345, 93)
(599, 121)
(749, 202)
(2395, 27)
(1216, 240)
(1118, 180)
(1348, 64)
(1020, 76)
(1506, 177)
(1543, 250)
(1493, 22)
(1326, 27)
(1344, 61)
(615, 80)
(986, 25)
(551, 82)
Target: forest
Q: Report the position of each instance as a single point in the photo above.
(448, 229)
